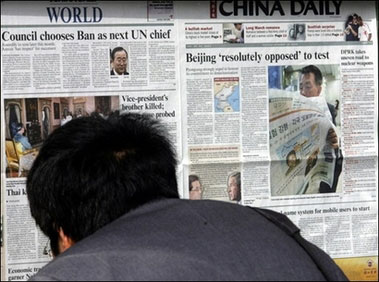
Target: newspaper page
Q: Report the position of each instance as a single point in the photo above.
(280, 111)
(251, 123)
(61, 60)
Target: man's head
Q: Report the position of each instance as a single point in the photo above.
(234, 186)
(311, 81)
(349, 19)
(238, 26)
(300, 28)
(291, 159)
(355, 19)
(93, 170)
(20, 129)
(119, 59)
(195, 189)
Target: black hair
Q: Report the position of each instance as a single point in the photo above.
(191, 179)
(93, 170)
(315, 70)
(117, 49)
(349, 20)
(19, 126)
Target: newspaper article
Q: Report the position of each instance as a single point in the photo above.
(25, 242)
(271, 104)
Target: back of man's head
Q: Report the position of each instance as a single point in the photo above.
(315, 70)
(93, 170)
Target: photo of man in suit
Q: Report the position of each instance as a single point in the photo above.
(311, 86)
(119, 61)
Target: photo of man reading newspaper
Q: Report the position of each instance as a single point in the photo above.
(304, 126)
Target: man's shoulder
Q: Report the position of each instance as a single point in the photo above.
(332, 109)
(161, 234)
(113, 72)
(172, 236)
(333, 112)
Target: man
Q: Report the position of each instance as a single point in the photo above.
(19, 136)
(292, 161)
(119, 61)
(311, 86)
(104, 191)
(195, 187)
(234, 186)
(238, 31)
(300, 32)
(351, 29)
(24, 149)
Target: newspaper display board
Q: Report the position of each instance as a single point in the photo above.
(229, 80)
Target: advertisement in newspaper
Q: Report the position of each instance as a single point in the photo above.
(271, 104)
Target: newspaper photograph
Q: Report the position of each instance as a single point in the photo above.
(304, 143)
(29, 121)
(219, 181)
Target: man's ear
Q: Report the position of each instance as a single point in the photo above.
(64, 242)
(319, 89)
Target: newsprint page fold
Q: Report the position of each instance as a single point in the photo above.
(271, 104)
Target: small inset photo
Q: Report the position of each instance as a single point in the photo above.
(296, 31)
(233, 33)
(356, 29)
(195, 187)
(29, 121)
(119, 62)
